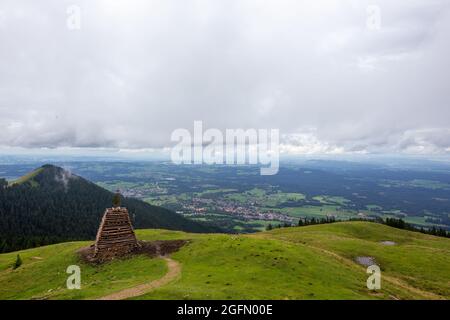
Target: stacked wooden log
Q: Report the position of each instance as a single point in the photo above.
(115, 236)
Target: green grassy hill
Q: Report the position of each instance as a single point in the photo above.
(314, 262)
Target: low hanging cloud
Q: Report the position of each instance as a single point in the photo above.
(64, 178)
(133, 71)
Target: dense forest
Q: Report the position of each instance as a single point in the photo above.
(52, 205)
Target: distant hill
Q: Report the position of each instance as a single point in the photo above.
(51, 205)
(315, 262)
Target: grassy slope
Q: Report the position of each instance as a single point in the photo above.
(28, 177)
(43, 274)
(314, 262)
(419, 260)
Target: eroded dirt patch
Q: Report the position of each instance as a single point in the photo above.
(150, 248)
(159, 248)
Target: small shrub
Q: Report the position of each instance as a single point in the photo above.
(18, 262)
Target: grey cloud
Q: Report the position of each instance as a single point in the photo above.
(137, 70)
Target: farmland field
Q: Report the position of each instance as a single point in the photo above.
(238, 199)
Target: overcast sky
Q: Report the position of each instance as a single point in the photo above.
(322, 71)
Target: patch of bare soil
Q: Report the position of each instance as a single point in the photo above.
(149, 248)
(159, 248)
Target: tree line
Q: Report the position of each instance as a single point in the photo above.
(392, 222)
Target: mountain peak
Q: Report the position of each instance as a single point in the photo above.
(45, 174)
(51, 166)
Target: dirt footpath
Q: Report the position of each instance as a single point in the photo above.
(174, 270)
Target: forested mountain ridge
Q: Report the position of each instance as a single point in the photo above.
(51, 205)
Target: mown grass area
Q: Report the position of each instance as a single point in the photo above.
(214, 191)
(263, 198)
(43, 274)
(241, 267)
(317, 212)
(313, 262)
(419, 260)
(331, 199)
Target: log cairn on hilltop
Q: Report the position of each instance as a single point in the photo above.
(116, 239)
(115, 236)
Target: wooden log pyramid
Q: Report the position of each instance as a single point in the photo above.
(115, 236)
